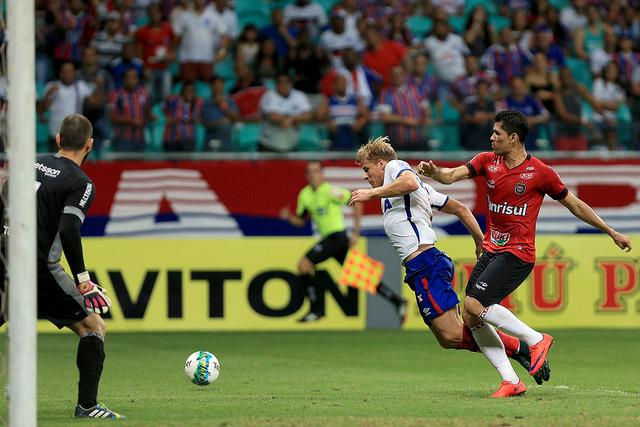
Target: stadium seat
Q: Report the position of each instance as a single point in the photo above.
(625, 124)
(155, 133)
(200, 137)
(225, 69)
(203, 89)
(327, 4)
(246, 137)
(419, 25)
(560, 4)
(457, 23)
(498, 22)
(580, 70)
(42, 135)
(257, 17)
(40, 89)
(489, 6)
(376, 129)
(309, 138)
(449, 112)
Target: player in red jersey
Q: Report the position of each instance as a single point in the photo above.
(516, 185)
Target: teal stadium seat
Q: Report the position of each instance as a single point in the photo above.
(625, 124)
(246, 137)
(498, 22)
(156, 129)
(327, 4)
(203, 89)
(560, 4)
(376, 129)
(225, 68)
(258, 17)
(42, 127)
(580, 70)
(310, 138)
(489, 5)
(457, 23)
(450, 130)
(419, 25)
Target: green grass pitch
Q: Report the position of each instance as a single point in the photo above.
(373, 378)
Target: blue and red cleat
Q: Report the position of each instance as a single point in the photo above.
(539, 353)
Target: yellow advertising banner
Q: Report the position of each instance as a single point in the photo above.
(214, 284)
(579, 281)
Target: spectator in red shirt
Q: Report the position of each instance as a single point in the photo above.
(155, 41)
(382, 55)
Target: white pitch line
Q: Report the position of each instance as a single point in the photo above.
(598, 390)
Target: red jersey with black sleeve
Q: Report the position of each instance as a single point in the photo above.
(514, 198)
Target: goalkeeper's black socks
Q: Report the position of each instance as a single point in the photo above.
(385, 292)
(89, 360)
(311, 288)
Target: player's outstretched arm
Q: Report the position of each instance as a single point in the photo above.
(404, 184)
(584, 212)
(287, 215)
(443, 175)
(454, 207)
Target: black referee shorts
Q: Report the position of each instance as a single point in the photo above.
(334, 246)
(59, 300)
(495, 276)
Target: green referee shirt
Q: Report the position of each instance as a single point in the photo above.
(325, 207)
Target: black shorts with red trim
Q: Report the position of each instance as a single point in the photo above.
(495, 276)
(430, 276)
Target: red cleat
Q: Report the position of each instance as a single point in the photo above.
(508, 389)
(539, 353)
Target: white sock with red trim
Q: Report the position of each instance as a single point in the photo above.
(491, 346)
(503, 319)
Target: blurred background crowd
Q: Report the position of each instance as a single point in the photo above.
(282, 76)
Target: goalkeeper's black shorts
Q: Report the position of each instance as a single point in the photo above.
(59, 300)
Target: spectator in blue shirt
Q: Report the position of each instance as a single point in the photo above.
(127, 61)
(283, 36)
(346, 116)
(219, 113)
(521, 100)
(542, 42)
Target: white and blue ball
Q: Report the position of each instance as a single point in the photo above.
(202, 368)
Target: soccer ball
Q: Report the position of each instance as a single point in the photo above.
(202, 368)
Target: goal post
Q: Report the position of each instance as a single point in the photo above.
(21, 209)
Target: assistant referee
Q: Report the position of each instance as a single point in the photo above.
(323, 203)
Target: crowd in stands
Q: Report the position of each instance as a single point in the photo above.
(280, 76)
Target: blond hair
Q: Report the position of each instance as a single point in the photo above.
(376, 149)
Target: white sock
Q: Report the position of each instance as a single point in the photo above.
(491, 346)
(505, 320)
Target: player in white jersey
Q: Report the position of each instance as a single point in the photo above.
(407, 206)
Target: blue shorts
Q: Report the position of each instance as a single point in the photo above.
(430, 275)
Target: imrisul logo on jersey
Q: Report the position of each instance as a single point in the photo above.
(507, 209)
(168, 202)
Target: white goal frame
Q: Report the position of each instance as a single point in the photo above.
(21, 208)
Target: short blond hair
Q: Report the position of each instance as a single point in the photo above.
(376, 149)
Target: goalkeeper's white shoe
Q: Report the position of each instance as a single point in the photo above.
(98, 411)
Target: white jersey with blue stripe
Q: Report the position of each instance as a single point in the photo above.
(407, 219)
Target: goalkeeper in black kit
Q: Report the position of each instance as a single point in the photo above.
(64, 194)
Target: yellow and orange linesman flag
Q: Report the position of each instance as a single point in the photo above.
(361, 271)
